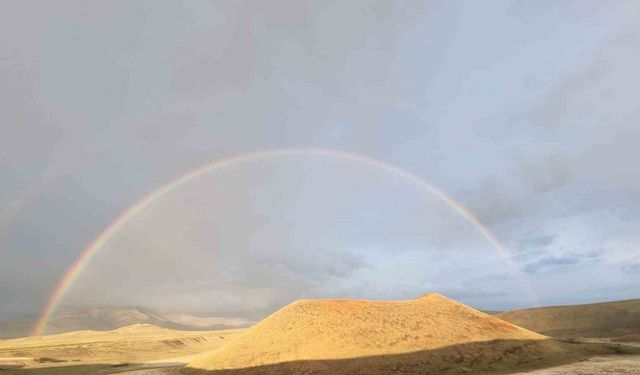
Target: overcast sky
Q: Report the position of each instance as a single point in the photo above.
(525, 112)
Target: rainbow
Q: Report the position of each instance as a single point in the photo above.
(74, 271)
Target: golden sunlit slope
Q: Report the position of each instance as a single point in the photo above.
(139, 343)
(609, 319)
(311, 330)
(431, 334)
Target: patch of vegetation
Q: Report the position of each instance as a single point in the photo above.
(48, 360)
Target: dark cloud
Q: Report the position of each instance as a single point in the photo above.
(536, 243)
(597, 105)
(551, 264)
(553, 172)
(598, 90)
(547, 262)
(632, 269)
(491, 204)
(315, 266)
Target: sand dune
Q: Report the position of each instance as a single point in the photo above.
(618, 320)
(373, 337)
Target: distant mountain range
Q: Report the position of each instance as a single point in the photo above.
(109, 318)
(619, 320)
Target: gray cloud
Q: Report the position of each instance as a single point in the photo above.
(536, 243)
(597, 104)
(107, 103)
(315, 265)
(553, 172)
(553, 263)
(631, 269)
(598, 90)
(492, 205)
(550, 263)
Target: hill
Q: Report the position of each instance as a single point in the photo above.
(375, 337)
(110, 318)
(88, 352)
(618, 320)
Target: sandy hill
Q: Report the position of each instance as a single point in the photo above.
(619, 319)
(90, 352)
(110, 318)
(375, 337)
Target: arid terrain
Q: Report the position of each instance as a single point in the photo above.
(431, 334)
(617, 321)
(103, 352)
(595, 366)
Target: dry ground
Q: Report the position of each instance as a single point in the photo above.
(153, 351)
(430, 335)
(89, 352)
(595, 366)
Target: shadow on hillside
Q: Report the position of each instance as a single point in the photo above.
(495, 357)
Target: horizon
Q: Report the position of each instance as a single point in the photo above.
(211, 314)
(168, 319)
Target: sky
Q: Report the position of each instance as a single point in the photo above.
(525, 113)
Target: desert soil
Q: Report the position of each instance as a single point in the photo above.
(618, 365)
(108, 352)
